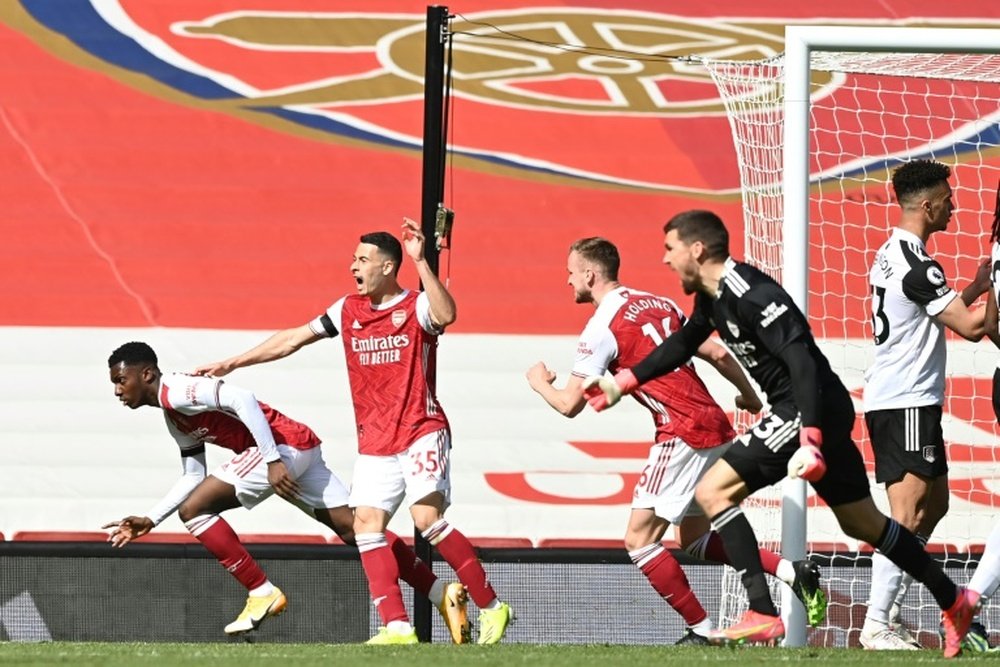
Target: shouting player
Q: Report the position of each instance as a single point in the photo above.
(404, 440)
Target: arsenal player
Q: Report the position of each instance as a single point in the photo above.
(404, 440)
(272, 454)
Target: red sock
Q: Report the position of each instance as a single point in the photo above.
(456, 549)
(412, 570)
(668, 579)
(219, 538)
(383, 576)
(716, 551)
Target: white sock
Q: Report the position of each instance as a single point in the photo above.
(785, 571)
(399, 627)
(896, 611)
(263, 590)
(703, 628)
(493, 605)
(886, 577)
(987, 575)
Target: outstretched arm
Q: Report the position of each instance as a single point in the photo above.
(442, 305)
(567, 401)
(730, 369)
(673, 351)
(603, 392)
(277, 346)
(133, 527)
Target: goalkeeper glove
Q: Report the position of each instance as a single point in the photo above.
(808, 462)
(603, 392)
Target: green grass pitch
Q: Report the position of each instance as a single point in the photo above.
(97, 654)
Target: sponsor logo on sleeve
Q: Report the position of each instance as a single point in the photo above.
(771, 313)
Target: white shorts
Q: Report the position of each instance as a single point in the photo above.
(667, 483)
(384, 481)
(319, 487)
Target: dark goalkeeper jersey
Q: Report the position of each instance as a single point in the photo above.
(757, 320)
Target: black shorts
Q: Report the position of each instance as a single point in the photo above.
(907, 440)
(760, 456)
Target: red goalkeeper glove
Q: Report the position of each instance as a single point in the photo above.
(603, 392)
(808, 462)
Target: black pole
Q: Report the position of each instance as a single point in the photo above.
(432, 196)
(434, 140)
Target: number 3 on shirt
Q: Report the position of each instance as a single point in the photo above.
(880, 321)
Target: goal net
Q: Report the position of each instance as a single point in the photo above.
(869, 110)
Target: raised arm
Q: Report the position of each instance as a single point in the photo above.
(979, 284)
(442, 306)
(729, 368)
(277, 346)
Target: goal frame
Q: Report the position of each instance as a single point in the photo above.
(800, 43)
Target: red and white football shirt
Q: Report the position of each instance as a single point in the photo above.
(391, 350)
(624, 329)
(194, 415)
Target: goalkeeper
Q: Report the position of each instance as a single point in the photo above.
(811, 413)
(692, 431)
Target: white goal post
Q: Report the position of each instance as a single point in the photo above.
(818, 130)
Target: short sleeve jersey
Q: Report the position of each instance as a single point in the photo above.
(625, 328)
(908, 289)
(391, 350)
(757, 319)
(194, 417)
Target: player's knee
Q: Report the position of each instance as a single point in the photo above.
(366, 525)
(341, 520)
(710, 500)
(343, 525)
(426, 514)
(424, 520)
(635, 541)
(188, 510)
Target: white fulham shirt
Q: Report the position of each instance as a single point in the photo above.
(909, 289)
